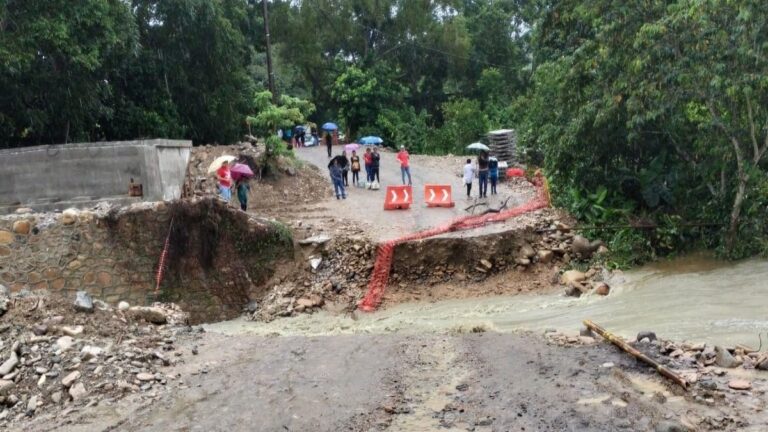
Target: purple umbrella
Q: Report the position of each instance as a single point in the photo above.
(240, 170)
(351, 147)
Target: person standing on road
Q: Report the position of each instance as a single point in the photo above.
(288, 137)
(469, 176)
(482, 173)
(328, 142)
(242, 193)
(338, 182)
(315, 137)
(405, 167)
(375, 164)
(368, 159)
(355, 167)
(224, 175)
(343, 163)
(493, 173)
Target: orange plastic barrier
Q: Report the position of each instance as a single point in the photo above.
(515, 172)
(385, 253)
(398, 197)
(438, 195)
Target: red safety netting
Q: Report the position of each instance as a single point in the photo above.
(385, 252)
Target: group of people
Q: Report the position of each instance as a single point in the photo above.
(224, 177)
(487, 169)
(296, 136)
(340, 166)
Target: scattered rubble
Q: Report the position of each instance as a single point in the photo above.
(54, 357)
(706, 369)
(336, 272)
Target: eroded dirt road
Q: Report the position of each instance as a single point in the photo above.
(365, 207)
(474, 382)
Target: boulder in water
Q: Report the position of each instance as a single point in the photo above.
(724, 359)
(583, 247)
(572, 277)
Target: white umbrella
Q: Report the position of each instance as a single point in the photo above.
(216, 164)
(478, 146)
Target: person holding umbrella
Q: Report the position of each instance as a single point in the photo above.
(243, 188)
(336, 178)
(482, 173)
(343, 163)
(329, 129)
(240, 174)
(224, 176)
(328, 142)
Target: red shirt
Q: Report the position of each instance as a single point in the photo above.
(403, 156)
(368, 158)
(225, 177)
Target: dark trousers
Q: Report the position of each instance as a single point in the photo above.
(375, 174)
(345, 174)
(368, 172)
(469, 189)
(338, 188)
(356, 177)
(494, 179)
(329, 149)
(483, 180)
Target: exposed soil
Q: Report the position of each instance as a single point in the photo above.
(476, 382)
(536, 279)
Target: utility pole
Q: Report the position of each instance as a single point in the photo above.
(270, 72)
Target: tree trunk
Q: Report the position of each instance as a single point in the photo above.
(730, 239)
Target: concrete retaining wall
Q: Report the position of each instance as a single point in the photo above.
(76, 175)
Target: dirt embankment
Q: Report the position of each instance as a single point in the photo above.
(277, 188)
(216, 258)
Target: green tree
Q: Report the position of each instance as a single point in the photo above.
(361, 96)
(464, 123)
(708, 60)
(55, 57)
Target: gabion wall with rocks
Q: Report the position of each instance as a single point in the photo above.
(217, 257)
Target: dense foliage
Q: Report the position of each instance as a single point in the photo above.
(650, 113)
(89, 70)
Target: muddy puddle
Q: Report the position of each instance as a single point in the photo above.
(694, 298)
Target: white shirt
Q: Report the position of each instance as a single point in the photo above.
(469, 173)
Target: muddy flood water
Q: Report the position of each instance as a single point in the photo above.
(695, 298)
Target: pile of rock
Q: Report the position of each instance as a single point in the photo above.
(56, 355)
(706, 367)
(563, 339)
(700, 355)
(198, 182)
(336, 271)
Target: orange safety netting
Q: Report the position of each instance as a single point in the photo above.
(386, 250)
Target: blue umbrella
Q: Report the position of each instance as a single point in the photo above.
(370, 140)
(330, 126)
